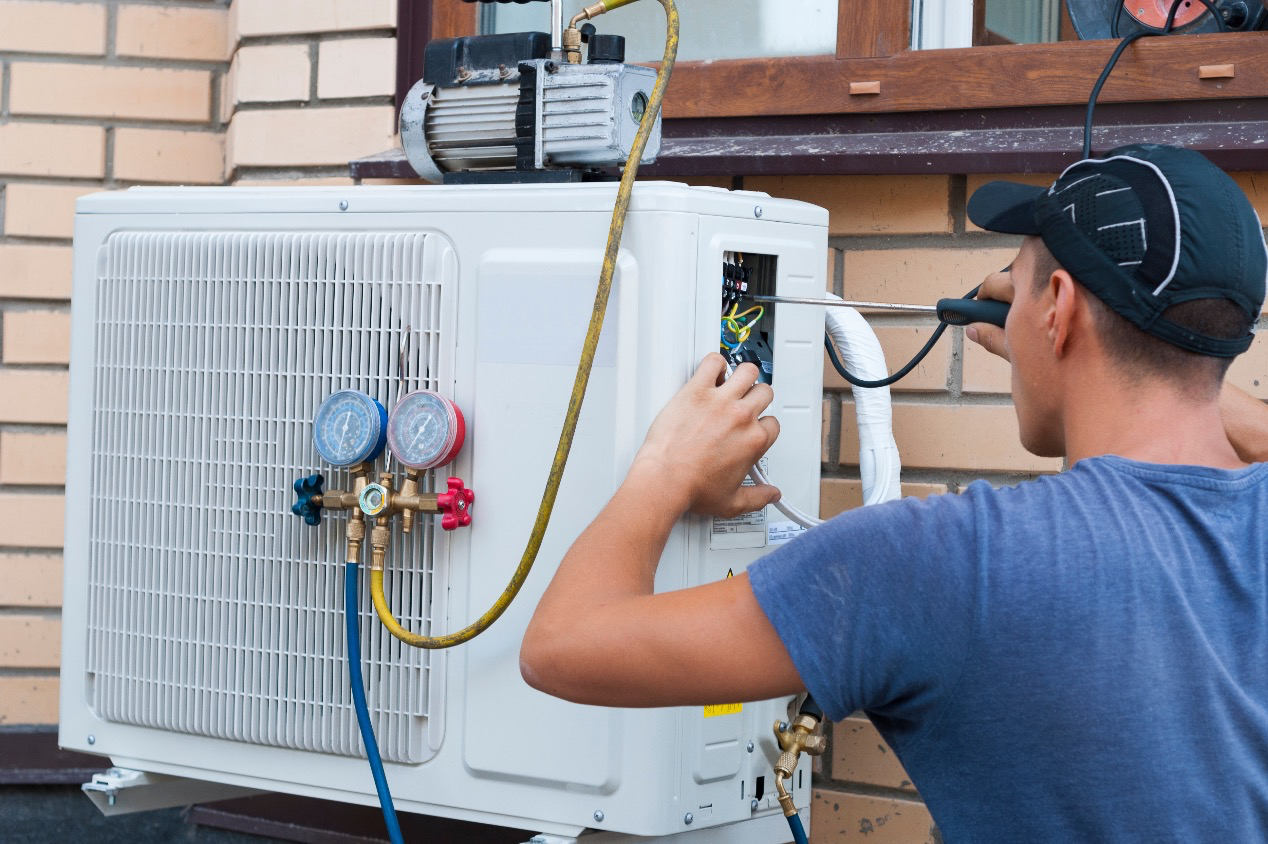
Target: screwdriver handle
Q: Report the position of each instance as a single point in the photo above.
(966, 311)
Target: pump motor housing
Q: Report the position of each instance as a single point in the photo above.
(498, 103)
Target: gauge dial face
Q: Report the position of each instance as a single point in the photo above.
(350, 428)
(426, 430)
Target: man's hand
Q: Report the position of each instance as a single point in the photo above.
(709, 436)
(997, 286)
(601, 635)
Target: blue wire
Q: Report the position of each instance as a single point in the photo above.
(798, 831)
(353, 619)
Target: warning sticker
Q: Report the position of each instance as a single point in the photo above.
(722, 709)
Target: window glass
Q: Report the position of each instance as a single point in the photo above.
(1033, 22)
(711, 29)
(940, 24)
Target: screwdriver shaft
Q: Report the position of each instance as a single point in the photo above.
(846, 303)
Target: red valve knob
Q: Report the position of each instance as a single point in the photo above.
(456, 505)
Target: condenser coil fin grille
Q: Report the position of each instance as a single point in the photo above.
(213, 610)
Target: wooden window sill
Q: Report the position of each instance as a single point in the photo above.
(1232, 133)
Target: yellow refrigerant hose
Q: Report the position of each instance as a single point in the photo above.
(579, 386)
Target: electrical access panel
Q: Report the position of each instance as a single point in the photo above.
(203, 621)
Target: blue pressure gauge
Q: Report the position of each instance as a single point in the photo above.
(350, 428)
(426, 431)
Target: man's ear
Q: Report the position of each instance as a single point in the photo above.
(1063, 309)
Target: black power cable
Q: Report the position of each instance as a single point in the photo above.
(1118, 51)
(900, 374)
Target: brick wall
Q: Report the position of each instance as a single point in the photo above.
(93, 96)
(310, 88)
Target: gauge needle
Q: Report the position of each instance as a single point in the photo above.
(347, 422)
(422, 429)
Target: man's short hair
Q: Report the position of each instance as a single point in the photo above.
(1141, 355)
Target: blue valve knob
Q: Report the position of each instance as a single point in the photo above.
(306, 490)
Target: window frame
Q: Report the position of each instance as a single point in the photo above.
(1035, 91)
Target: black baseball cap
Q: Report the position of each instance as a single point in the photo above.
(1145, 227)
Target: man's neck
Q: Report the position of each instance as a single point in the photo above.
(1152, 423)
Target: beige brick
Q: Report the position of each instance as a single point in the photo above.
(32, 521)
(35, 272)
(270, 74)
(317, 136)
(280, 17)
(836, 495)
(29, 580)
(28, 700)
(42, 210)
(134, 93)
(919, 276)
(33, 397)
(1255, 186)
(39, 149)
(169, 156)
(869, 204)
(32, 459)
(1250, 370)
(840, 817)
(1041, 180)
(900, 345)
(29, 641)
(984, 372)
(975, 437)
(158, 32)
(356, 67)
(69, 28)
(860, 754)
(36, 337)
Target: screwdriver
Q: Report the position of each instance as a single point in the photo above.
(950, 311)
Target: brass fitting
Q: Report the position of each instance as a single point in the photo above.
(584, 15)
(409, 489)
(572, 44)
(802, 736)
(380, 537)
(336, 500)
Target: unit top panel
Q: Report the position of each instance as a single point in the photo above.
(473, 199)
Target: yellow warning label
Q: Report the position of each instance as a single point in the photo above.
(730, 572)
(722, 709)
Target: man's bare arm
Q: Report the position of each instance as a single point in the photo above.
(1246, 423)
(600, 635)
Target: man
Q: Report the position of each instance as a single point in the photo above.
(1080, 657)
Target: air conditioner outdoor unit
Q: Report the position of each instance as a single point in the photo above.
(203, 621)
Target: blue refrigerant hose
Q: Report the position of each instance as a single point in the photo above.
(798, 830)
(353, 624)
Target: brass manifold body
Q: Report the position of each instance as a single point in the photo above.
(383, 502)
(802, 736)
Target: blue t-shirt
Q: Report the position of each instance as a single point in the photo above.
(1083, 657)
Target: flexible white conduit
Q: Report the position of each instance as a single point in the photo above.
(879, 463)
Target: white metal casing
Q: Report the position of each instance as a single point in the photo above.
(215, 612)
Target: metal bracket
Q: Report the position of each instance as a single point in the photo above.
(121, 791)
